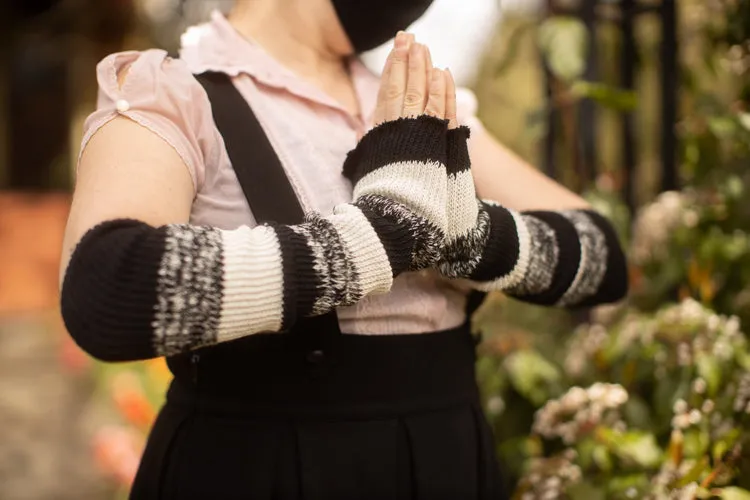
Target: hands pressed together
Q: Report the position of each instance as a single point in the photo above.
(414, 207)
(412, 170)
(412, 177)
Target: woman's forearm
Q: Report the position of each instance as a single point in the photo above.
(568, 257)
(494, 164)
(133, 291)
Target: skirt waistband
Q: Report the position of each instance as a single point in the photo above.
(352, 376)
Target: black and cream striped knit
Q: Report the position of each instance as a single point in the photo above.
(569, 258)
(132, 291)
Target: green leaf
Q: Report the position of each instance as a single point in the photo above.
(694, 474)
(734, 493)
(709, 369)
(725, 444)
(531, 374)
(642, 449)
(585, 491)
(722, 126)
(637, 412)
(625, 486)
(696, 443)
(601, 457)
(634, 446)
(606, 95)
(564, 41)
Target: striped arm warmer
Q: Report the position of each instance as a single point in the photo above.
(566, 258)
(132, 291)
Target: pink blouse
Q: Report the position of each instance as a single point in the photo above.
(309, 130)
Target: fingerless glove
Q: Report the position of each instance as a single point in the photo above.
(133, 291)
(566, 258)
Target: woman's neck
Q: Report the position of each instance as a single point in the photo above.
(291, 34)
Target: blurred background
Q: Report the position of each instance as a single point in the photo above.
(643, 106)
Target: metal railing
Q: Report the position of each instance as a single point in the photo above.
(623, 15)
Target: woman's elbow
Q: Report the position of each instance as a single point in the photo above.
(93, 326)
(106, 299)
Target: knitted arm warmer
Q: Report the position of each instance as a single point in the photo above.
(568, 258)
(132, 291)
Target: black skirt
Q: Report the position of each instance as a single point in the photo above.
(363, 417)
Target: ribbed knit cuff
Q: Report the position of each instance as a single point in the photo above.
(420, 139)
(462, 207)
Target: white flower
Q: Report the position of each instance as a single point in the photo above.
(554, 482)
(732, 326)
(575, 398)
(680, 406)
(495, 405)
(695, 416)
(707, 406)
(596, 391)
(617, 396)
(699, 386)
(722, 349)
(690, 218)
(681, 421)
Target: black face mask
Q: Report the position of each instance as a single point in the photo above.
(369, 24)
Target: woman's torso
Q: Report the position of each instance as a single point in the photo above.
(310, 132)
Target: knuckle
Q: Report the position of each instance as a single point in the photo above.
(413, 98)
(393, 91)
(399, 59)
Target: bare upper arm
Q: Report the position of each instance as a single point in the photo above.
(502, 176)
(127, 171)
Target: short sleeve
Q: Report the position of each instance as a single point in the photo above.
(161, 94)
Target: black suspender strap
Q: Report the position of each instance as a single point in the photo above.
(262, 178)
(267, 188)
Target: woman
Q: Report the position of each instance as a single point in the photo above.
(163, 256)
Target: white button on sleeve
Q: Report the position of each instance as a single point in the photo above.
(122, 105)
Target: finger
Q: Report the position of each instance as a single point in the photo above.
(410, 39)
(415, 98)
(379, 116)
(395, 88)
(407, 39)
(436, 100)
(451, 111)
(428, 63)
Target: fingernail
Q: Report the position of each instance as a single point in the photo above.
(437, 74)
(400, 40)
(415, 49)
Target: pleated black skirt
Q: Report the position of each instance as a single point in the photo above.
(387, 417)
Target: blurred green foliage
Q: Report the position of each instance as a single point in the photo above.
(650, 398)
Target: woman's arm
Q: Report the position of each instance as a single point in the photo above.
(493, 165)
(127, 171)
(558, 253)
(139, 281)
